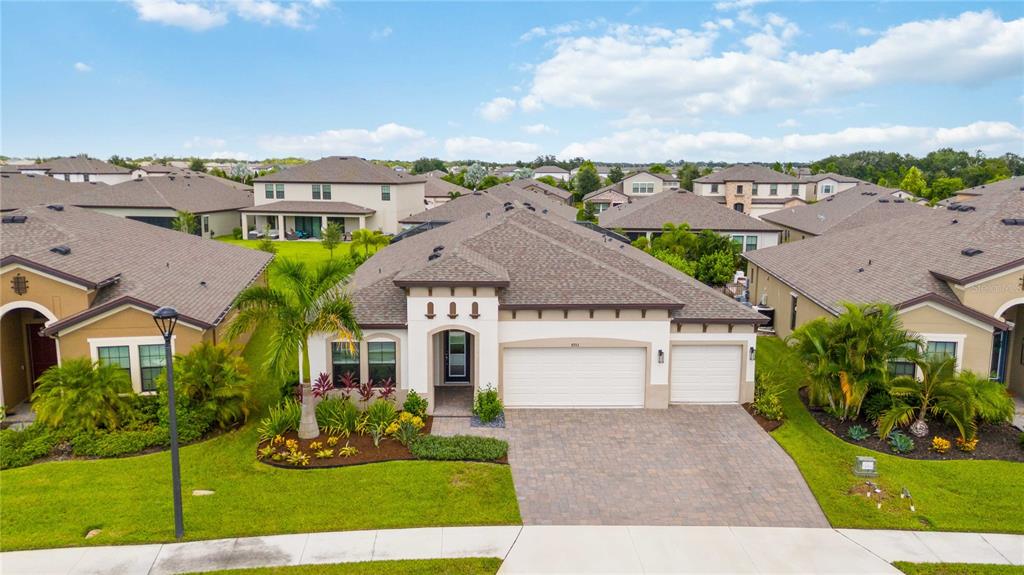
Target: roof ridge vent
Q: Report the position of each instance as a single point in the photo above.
(62, 250)
(970, 252)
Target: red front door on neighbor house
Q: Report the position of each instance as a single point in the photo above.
(42, 352)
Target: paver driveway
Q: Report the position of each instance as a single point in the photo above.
(687, 465)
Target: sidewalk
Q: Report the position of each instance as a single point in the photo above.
(549, 549)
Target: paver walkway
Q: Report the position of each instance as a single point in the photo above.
(548, 549)
(686, 465)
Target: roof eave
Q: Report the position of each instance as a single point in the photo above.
(55, 328)
(444, 283)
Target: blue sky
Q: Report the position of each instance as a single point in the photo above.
(734, 81)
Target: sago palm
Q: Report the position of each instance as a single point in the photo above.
(306, 301)
(936, 392)
(80, 395)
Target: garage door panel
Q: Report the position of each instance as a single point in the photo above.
(574, 377)
(706, 373)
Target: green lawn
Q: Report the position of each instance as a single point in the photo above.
(957, 569)
(472, 566)
(308, 251)
(948, 495)
(55, 504)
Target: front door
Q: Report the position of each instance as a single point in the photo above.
(456, 357)
(42, 351)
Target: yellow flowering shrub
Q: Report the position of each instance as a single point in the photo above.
(940, 445)
(965, 445)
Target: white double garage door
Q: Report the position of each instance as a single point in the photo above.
(615, 377)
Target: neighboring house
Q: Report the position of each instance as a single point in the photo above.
(438, 191)
(826, 184)
(216, 202)
(857, 206)
(505, 171)
(78, 283)
(646, 216)
(955, 274)
(752, 189)
(602, 171)
(345, 189)
(554, 192)
(153, 170)
(492, 200)
(553, 171)
(78, 169)
(547, 312)
(634, 185)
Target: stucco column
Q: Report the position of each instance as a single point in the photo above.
(280, 227)
(245, 227)
(323, 224)
(362, 222)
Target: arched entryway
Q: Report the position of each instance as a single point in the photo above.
(1008, 347)
(25, 353)
(453, 370)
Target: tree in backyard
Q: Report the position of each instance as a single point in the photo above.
(424, 165)
(715, 268)
(78, 394)
(331, 237)
(658, 169)
(123, 162)
(454, 194)
(522, 173)
(553, 181)
(306, 301)
(615, 175)
(185, 222)
(943, 188)
(913, 181)
(267, 245)
(587, 214)
(368, 240)
(197, 165)
(587, 180)
(490, 180)
(687, 173)
(474, 175)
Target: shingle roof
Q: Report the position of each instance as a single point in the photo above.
(182, 191)
(490, 200)
(435, 187)
(550, 170)
(537, 186)
(309, 207)
(748, 173)
(860, 205)
(130, 261)
(678, 206)
(77, 165)
(908, 260)
(831, 175)
(340, 170)
(548, 261)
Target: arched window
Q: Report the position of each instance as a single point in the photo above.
(475, 311)
(430, 310)
(453, 312)
(738, 207)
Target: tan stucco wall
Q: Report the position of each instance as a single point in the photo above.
(778, 297)
(977, 352)
(128, 322)
(58, 297)
(642, 177)
(792, 234)
(990, 295)
(14, 369)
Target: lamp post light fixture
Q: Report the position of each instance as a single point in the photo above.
(166, 318)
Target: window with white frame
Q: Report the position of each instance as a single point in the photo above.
(773, 190)
(751, 244)
(381, 362)
(385, 193)
(142, 358)
(903, 365)
(345, 361)
(936, 349)
(714, 188)
(117, 355)
(643, 187)
(826, 189)
(795, 190)
(325, 190)
(739, 190)
(279, 191)
(268, 190)
(152, 360)
(316, 191)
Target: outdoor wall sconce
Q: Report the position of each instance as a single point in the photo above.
(865, 467)
(661, 356)
(753, 353)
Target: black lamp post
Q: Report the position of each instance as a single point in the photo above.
(166, 318)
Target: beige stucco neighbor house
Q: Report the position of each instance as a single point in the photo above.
(956, 274)
(752, 189)
(634, 185)
(547, 312)
(344, 189)
(492, 200)
(647, 216)
(78, 283)
(437, 191)
(860, 205)
(78, 169)
(826, 184)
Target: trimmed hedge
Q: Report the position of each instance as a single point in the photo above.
(459, 448)
(118, 443)
(18, 448)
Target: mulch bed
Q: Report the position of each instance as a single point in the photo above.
(766, 424)
(994, 441)
(389, 450)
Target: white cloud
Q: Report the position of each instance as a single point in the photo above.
(189, 15)
(602, 71)
(267, 12)
(788, 123)
(389, 139)
(642, 145)
(82, 67)
(381, 33)
(486, 149)
(560, 29)
(497, 109)
(539, 129)
(737, 4)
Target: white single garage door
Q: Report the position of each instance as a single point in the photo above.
(706, 373)
(574, 377)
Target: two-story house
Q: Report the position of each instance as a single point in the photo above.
(752, 189)
(634, 185)
(78, 169)
(827, 184)
(345, 189)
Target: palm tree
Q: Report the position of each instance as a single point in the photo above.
(185, 222)
(367, 239)
(938, 391)
(309, 301)
(812, 345)
(81, 395)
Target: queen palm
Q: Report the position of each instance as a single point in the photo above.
(937, 392)
(305, 301)
(368, 239)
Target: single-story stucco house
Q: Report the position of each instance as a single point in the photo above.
(548, 312)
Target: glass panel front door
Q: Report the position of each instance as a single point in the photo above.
(456, 354)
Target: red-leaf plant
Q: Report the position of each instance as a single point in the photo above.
(366, 391)
(348, 384)
(321, 385)
(387, 389)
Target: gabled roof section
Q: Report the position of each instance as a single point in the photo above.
(860, 205)
(550, 170)
(748, 173)
(680, 206)
(831, 176)
(435, 187)
(340, 170)
(491, 200)
(461, 267)
(538, 186)
(607, 193)
(77, 165)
